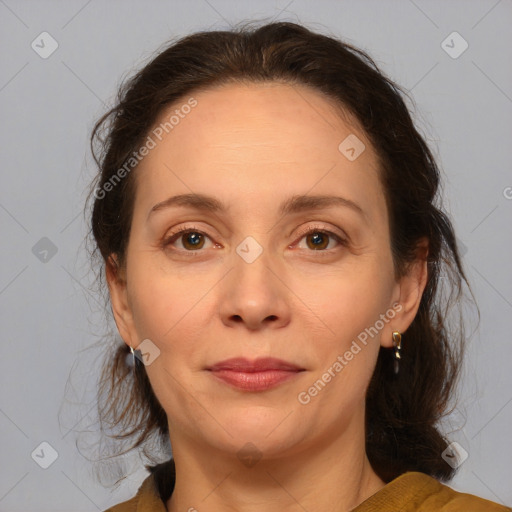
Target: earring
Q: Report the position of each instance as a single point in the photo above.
(397, 343)
(133, 355)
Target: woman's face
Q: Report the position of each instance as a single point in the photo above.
(287, 257)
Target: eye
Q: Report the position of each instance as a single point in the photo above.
(317, 239)
(190, 239)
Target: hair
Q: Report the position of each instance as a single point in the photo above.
(402, 410)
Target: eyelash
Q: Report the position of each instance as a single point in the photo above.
(310, 230)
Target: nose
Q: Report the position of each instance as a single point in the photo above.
(254, 297)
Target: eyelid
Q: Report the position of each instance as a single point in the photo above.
(175, 234)
(341, 237)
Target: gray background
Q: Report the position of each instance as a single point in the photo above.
(49, 311)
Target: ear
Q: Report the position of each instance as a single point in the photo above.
(119, 298)
(408, 293)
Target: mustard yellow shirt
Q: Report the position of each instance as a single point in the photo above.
(410, 492)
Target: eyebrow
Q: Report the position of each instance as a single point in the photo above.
(295, 204)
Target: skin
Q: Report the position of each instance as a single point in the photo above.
(253, 146)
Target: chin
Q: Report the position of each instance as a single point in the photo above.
(263, 431)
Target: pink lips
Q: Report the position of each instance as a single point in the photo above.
(258, 375)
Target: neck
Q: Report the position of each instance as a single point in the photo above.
(335, 476)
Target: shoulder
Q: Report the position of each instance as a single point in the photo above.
(147, 499)
(417, 492)
(126, 506)
(446, 499)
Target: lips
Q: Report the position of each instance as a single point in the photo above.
(241, 364)
(258, 375)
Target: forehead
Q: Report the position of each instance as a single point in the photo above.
(260, 115)
(256, 138)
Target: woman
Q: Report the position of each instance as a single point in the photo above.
(266, 217)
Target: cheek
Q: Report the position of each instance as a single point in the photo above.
(346, 330)
(346, 339)
(348, 300)
(167, 309)
(171, 314)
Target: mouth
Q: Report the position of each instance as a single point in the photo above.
(258, 375)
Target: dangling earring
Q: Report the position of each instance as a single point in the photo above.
(397, 343)
(133, 355)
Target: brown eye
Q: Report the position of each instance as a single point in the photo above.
(187, 240)
(192, 240)
(317, 240)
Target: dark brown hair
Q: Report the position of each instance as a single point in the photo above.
(402, 410)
